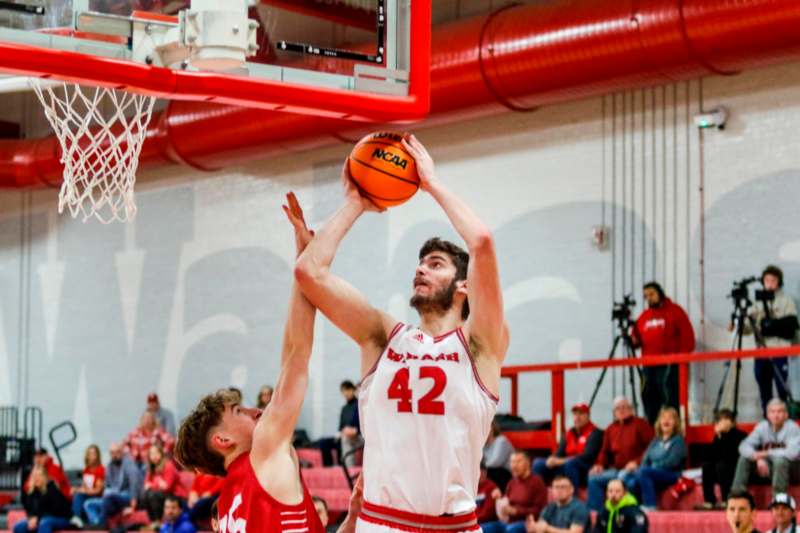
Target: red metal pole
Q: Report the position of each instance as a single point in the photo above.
(683, 391)
(514, 393)
(557, 405)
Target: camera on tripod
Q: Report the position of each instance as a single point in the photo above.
(740, 292)
(765, 295)
(621, 311)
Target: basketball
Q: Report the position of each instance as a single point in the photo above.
(382, 170)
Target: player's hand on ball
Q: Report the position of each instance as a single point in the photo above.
(424, 161)
(351, 193)
(294, 213)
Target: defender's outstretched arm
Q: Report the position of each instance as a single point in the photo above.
(338, 300)
(275, 428)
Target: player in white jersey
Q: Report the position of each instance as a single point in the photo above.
(429, 391)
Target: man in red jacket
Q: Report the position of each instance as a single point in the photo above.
(624, 443)
(663, 328)
(526, 495)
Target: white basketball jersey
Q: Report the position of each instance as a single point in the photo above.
(425, 416)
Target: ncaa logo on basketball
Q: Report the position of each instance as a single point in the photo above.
(389, 157)
(388, 135)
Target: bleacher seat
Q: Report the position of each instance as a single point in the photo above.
(761, 493)
(699, 522)
(330, 484)
(311, 456)
(337, 499)
(331, 477)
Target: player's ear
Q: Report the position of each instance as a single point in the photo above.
(461, 286)
(221, 442)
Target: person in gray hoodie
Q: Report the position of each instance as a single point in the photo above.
(663, 461)
(122, 489)
(769, 450)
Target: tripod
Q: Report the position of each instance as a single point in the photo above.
(741, 303)
(622, 337)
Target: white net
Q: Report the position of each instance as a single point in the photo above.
(101, 132)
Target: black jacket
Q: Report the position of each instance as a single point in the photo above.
(349, 415)
(725, 448)
(51, 502)
(628, 520)
(593, 444)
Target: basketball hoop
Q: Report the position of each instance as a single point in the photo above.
(101, 132)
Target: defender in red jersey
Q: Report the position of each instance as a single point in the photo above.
(263, 490)
(429, 391)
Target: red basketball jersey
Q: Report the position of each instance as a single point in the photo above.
(245, 507)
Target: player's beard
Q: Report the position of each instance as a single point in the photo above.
(439, 303)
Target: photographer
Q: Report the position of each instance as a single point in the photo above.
(663, 328)
(774, 317)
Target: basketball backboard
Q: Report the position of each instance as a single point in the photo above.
(353, 59)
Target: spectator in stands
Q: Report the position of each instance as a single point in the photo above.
(497, 456)
(349, 436)
(214, 518)
(724, 453)
(576, 452)
(770, 448)
(525, 495)
(92, 483)
(349, 425)
(621, 512)
(783, 508)
(662, 328)
(741, 512)
(202, 496)
(322, 510)
(162, 479)
(122, 489)
(485, 500)
(54, 472)
(175, 519)
(624, 443)
(46, 507)
(164, 417)
(776, 324)
(145, 435)
(663, 461)
(264, 397)
(565, 514)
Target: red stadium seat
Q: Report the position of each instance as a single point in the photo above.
(312, 456)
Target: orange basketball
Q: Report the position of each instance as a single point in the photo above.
(382, 170)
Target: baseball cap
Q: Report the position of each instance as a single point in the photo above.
(781, 498)
(581, 407)
(152, 397)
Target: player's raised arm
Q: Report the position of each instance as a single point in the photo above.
(486, 324)
(342, 303)
(276, 426)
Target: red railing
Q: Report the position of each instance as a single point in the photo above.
(699, 433)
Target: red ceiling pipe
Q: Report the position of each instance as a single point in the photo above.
(519, 57)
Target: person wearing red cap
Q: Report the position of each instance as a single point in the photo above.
(147, 433)
(576, 452)
(164, 416)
